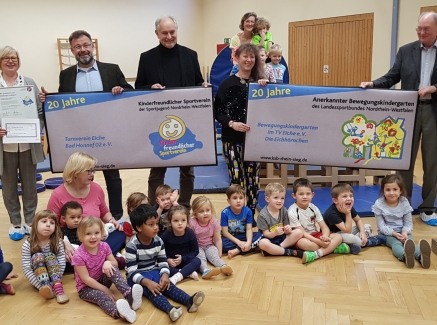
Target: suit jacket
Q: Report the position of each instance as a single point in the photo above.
(407, 70)
(150, 68)
(110, 73)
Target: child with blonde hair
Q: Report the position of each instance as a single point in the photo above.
(262, 36)
(207, 230)
(275, 55)
(95, 270)
(43, 256)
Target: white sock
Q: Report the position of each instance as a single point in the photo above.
(176, 278)
(319, 253)
(194, 276)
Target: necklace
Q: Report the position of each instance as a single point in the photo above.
(243, 81)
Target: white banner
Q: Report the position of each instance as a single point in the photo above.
(350, 127)
(136, 129)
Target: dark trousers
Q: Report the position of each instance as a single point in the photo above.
(116, 240)
(5, 269)
(114, 189)
(186, 268)
(186, 183)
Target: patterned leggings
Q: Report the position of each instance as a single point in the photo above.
(209, 253)
(46, 268)
(244, 173)
(160, 301)
(102, 299)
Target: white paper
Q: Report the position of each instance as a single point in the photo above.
(20, 130)
(18, 102)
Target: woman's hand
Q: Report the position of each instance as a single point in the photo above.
(240, 127)
(3, 132)
(108, 269)
(117, 224)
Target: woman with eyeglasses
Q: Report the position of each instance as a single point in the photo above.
(78, 186)
(23, 157)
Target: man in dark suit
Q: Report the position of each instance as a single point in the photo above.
(416, 68)
(92, 75)
(169, 65)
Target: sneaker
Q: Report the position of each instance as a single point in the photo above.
(342, 249)
(46, 292)
(7, 289)
(195, 301)
(409, 248)
(430, 219)
(376, 241)
(175, 313)
(308, 257)
(125, 311)
(425, 254)
(137, 296)
(121, 261)
(194, 276)
(354, 249)
(16, 233)
(434, 246)
(226, 270)
(210, 273)
(264, 253)
(62, 299)
(27, 229)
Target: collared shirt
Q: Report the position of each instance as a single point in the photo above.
(427, 65)
(88, 79)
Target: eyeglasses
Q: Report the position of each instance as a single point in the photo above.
(12, 58)
(91, 171)
(79, 47)
(425, 30)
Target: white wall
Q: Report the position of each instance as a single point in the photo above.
(124, 30)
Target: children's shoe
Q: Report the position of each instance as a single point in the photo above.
(27, 229)
(7, 289)
(264, 253)
(124, 311)
(342, 249)
(195, 301)
(434, 246)
(226, 270)
(308, 257)
(376, 241)
(194, 276)
(208, 273)
(425, 254)
(120, 261)
(176, 278)
(354, 249)
(409, 248)
(62, 299)
(46, 292)
(16, 233)
(137, 296)
(175, 313)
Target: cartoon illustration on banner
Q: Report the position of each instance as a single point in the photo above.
(173, 139)
(366, 139)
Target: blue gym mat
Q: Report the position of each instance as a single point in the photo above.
(365, 197)
(209, 179)
(43, 166)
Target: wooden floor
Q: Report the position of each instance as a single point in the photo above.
(369, 288)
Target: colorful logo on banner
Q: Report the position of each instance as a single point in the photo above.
(367, 140)
(27, 101)
(173, 139)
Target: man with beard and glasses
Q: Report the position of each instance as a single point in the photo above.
(169, 65)
(92, 75)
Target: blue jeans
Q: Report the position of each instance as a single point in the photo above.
(397, 247)
(116, 240)
(186, 268)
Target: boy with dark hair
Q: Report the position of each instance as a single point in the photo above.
(71, 214)
(236, 222)
(339, 217)
(146, 264)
